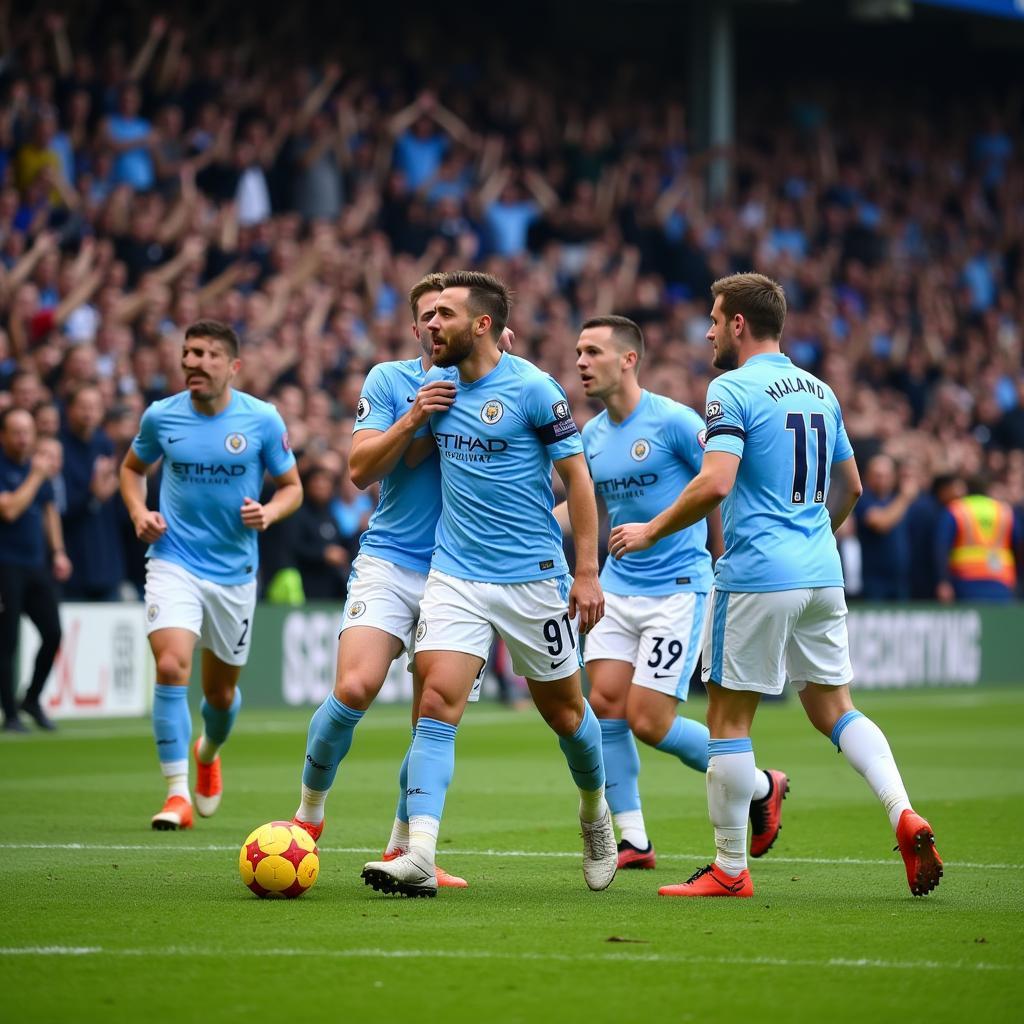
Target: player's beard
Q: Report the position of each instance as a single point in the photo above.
(727, 356)
(456, 348)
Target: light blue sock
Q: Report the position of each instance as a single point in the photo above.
(621, 765)
(402, 811)
(217, 723)
(172, 723)
(328, 741)
(431, 766)
(583, 752)
(687, 740)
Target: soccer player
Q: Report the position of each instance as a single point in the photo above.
(498, 568)
(643, 449)
(774, 432)
(216, 444)
(390, 572)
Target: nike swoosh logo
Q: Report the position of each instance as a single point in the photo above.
(175, 440)
(594, 455)
(735, 887)
(555, 664)
(664, 675)
(408, 399)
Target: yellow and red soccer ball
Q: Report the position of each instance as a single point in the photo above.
(279, 860)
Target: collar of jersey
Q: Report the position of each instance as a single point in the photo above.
(209, 419)
(644, 395)
(764, 357)
(487, 376)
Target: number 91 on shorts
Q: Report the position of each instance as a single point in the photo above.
(532, 618)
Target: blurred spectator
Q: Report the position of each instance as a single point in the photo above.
(320, 555)
(978, 544)
(91, 523)
(30, 535)
(923, 527)
(882, 530)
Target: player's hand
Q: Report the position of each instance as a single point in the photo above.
(256, 516)
(437, 396)
(150, 526)
(629, 537)
(586, 599)
(61, 567)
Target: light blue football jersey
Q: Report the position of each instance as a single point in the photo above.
(787, 428)
(497, 444)
(211, 464)
(402, 528)
(640, 466)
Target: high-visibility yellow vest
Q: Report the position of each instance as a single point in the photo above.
(983, 547)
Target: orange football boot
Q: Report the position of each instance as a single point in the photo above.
(766, 814)
(314, 831)
(444, 880)
(712, 881)
(634, 859)
(208, 784)
(916, 843)
(176, 813)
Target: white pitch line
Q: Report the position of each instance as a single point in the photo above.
(840, 963)
(455, 852)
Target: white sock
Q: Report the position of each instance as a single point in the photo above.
(631, 827)
(864, 745)
(592, 804)
(207, 752)
(176, 775)
(311, 808)
(423, 831)
(399, 836)
(760, 785)
(730, 782)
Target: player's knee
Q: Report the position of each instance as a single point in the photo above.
(435, 704)
(563, 720)
(355, 692)
(647, 727)
(171, 667)
(603, 707)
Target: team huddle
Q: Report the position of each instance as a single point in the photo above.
(465, 546)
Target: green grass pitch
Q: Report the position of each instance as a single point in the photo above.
(105, 920)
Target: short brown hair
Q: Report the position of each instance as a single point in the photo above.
(486, 295)
(216, 331)
(758, 299)
(625, 332)
(430, 283)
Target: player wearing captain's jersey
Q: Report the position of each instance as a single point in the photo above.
(498, 568)
(774, 433)
(643, 449)
(216, 444)
(389, 574)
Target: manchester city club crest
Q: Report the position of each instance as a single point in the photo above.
(236, 443)
(640, 450)
(356, 608)
(492, 411)
(421, 629)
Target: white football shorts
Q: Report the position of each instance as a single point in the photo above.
(660, 636)
(532, 618)
(755, 641)
(220, 614)
(387, 596)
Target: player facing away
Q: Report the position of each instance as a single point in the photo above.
(774, 432)
(643, 449)
(216, 444)
(390, 572)
(498, 567)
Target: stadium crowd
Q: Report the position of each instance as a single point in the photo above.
(142, 189)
